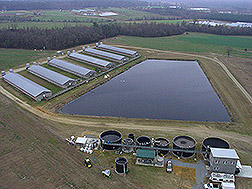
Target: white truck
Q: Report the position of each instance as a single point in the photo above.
(222, 185)
(227, 185)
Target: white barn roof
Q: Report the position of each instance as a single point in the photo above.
(224, 153)
(49, 74)
(105, 54)
(117, 49)
(90, 59)
(75, 69)
(25, 84)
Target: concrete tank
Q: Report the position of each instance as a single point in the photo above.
(121, 165)
(128, 141)
(143, 141)
(213, 142)
(183, 143)
(110, 137)
(162, 143)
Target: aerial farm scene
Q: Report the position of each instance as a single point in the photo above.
(126, 94)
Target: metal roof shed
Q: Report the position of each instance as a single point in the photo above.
(103, 54)
(224, 153)
(51, 76)
(72, 68)
(27, 86)
(145, 153)
(92, 61)
(119, 50)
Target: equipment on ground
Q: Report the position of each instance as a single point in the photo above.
(88, 163)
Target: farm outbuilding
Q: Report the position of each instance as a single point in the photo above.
(51, 76)
(107, 55)
(123, 51)
(91, 60)
(27, 86)
(223, 160)
(72, 68)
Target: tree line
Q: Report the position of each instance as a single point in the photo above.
(189, 14)
(67, 4)
(62, 38)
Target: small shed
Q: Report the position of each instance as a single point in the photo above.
(147, 157)
(81, 141)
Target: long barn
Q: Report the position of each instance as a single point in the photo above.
(28, 87)
(123, 51)
(51, 76)
(72, 68)
(92, 61)
(107, 55)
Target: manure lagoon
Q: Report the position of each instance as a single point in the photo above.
(154, 89)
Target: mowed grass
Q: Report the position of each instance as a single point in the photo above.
(10, 58)
(193, 42)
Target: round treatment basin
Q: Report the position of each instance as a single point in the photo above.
(183, 143)
(162, 143)
(143, 141)
(121, 165)
(111, 137)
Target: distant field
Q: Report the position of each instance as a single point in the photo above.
(43, 25)
(165, 21)
(126, 14)
(193, 42)
(13, 57)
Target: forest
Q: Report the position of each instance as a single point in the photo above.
(66, 37)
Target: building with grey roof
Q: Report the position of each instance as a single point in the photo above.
(27, 86)
(72, 68)
(51, 76)
(123, 51)
(223, 160)
(92, 61)
(107, 55)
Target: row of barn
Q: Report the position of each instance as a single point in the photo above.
(37, 92)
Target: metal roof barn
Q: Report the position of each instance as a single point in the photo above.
(72, 68)
(119, 50)
(91, 60)
(51, 76)
(103, 54)
(27, 86)
(224, 153)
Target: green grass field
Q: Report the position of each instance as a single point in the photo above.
(193, 42)
(43, 25)
(11, 58)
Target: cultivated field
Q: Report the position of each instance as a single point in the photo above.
(32, 134)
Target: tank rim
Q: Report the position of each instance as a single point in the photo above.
(188, 137)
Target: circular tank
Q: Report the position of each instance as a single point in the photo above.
(110, 137)
(183, 143)
(162, 143)
(143, 141)
(131, 135)
(121, 165)
(128, 141)
(214, 143)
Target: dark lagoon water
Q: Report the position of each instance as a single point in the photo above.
(154, 89)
